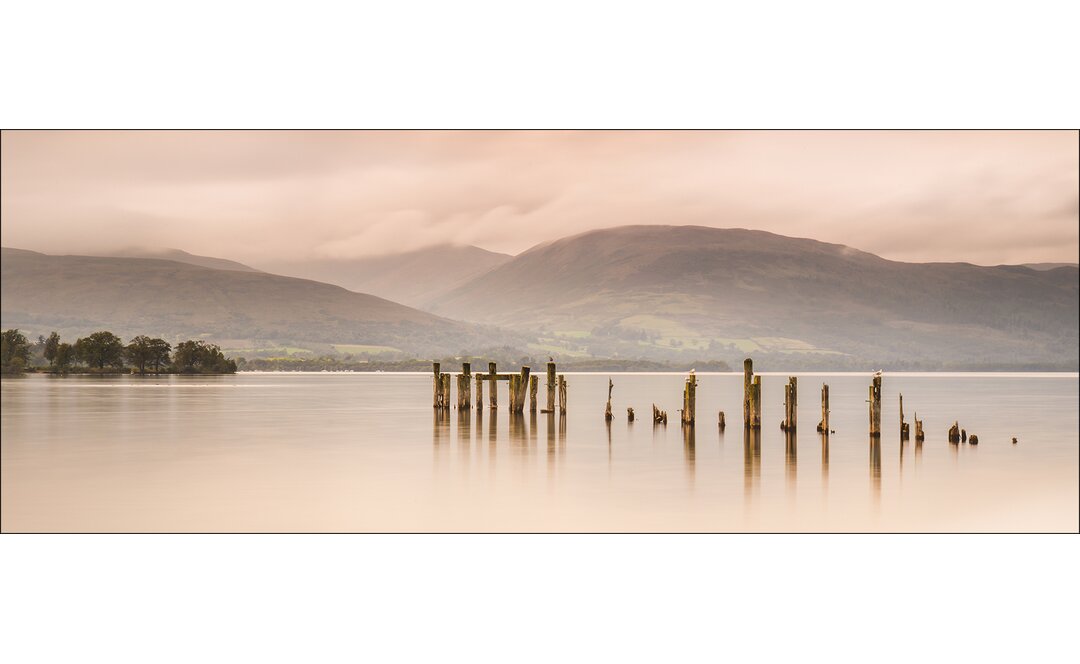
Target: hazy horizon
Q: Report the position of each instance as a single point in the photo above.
(985, 197)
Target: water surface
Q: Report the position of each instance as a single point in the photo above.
(366, 452)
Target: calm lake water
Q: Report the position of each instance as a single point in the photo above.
(365, 452)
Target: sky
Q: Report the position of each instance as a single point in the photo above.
(983, 197)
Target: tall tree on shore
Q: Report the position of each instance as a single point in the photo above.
(51, 346)
(100, 349)
(64, 357)
(159, 354)
(138, 352)
(14, 351)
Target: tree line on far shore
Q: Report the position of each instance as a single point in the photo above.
(104, 352)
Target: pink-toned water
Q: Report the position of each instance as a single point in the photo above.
(365, 452)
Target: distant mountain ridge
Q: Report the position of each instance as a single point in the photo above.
(80, 294)
(177, 255)
(660, 291)
(416, 278)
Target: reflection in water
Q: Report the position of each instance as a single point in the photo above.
(518, 441)
(790, 458)
(875, 465)
(824, 461)
(751, 459)
(551, 443)
(608, 424)
(464, 432)
(562, 435)
(689, 451)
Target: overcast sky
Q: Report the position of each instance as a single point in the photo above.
(982, 197)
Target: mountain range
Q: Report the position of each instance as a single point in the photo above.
(631, 292)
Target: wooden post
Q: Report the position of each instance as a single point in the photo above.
(522, 387)
(748, 392)
(875, 405)
(919, 436)
(823, 425)
(905, 429)
(630, 416)
(723, 421)
(689, 399)
(533, 383)
(479, 391)
(791, 400)
(436, 401)
(445, 399)
(550, 387)
(562, 394)
(494, 386)
(512, 391)
(607, 409)
(954, 433)
(658, 416)
(465, 395)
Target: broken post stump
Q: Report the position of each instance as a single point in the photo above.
(954, 433)
(963, 435)
(518, 402)
(791, 401)
(723, 421)
(973, 439)
(823, 425)
(534, 381)
(755, 416)
(630, 415)
(919, 435)
(607, 409)
(658, 416)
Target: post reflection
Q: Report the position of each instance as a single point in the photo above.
(562, 435)
(875, 465)
(751, 458)
(689, 451)
(824, 460)
(790, 458)
(464, 432)
(440, 432)
(551, 443)
(518, 437)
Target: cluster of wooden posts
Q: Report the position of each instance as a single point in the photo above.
(523, 383)
(520, 384)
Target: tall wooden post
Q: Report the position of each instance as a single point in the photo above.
(748, 392)
(755, 416)
(791, 404)
(689, 399)
(562, 394)
(465, 395)
(875, 406)
(513, 384)
(479, 391)
(519, 394)
(494, 386)
(533, 382)
(904, 428)
(550, 387)
(607, 409)
(446, 391)
(436, 401)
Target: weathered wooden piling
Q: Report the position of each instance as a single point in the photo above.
(436, 399)
(658, 416)
(919, 435)
(534, 382)
(494, 396)
(607, 409)
(963, 435)
(823, 425)
(723, 421)
(689, 399)
(748, 392)
(562, 394)
(875, 405)
(1014, 440)
(521, 385)
(550, 388)
(465, 387)
(479, 391)
(791, 404)
(630, 416)
(514, 380)
(904, 429)
(954, 433)
(973, 439)
(446, 391)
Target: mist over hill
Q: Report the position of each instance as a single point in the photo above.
(177, 255)
(416, 278)
(76, 295)
(669, 291)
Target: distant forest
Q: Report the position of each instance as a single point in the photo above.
(105, 353)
